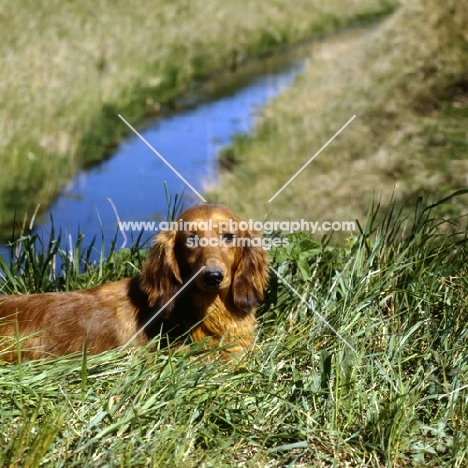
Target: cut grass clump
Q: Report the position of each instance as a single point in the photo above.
(69, 69)
(405, 80)
(393, 394)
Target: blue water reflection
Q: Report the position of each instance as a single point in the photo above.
(133, 178)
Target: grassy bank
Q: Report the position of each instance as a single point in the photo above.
(394, 394)
(406, 81)
(69, 68)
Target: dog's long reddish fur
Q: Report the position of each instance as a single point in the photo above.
(218, 305)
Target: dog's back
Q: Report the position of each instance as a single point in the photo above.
(53, 324)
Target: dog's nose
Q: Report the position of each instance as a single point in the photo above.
(212, 276)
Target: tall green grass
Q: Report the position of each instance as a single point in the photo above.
(397, 293)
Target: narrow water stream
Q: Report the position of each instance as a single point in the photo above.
(133, 178)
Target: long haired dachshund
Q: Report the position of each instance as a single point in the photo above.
(205, 276)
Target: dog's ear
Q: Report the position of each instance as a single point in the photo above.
(251, 275)
(160, 278)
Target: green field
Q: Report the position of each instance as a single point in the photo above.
(69, 68)
(391, 390)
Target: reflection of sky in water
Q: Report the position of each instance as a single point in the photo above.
(133, 178)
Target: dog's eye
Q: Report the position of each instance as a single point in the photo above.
(228, 237)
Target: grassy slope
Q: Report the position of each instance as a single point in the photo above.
(68, 69)
(304, 398)
(406, 82)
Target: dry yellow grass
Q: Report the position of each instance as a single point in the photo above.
(406, 81)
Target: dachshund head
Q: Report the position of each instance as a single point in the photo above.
(213, 245)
